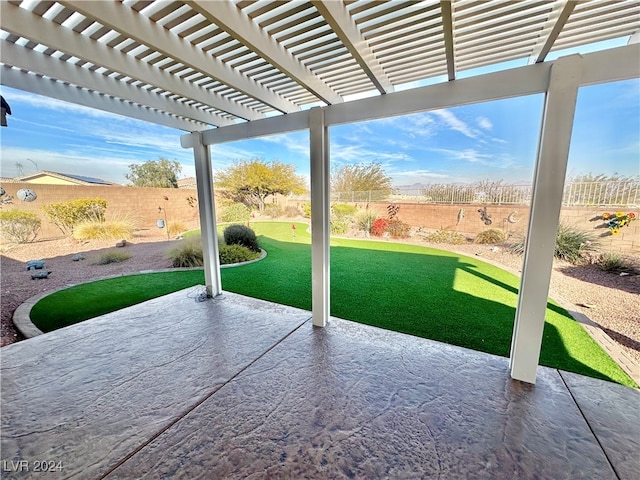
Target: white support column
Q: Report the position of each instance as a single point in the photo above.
(207, 209)
(548, 185)
(320, 210)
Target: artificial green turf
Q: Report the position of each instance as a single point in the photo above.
(407, 288)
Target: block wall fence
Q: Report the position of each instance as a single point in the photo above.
(142, 204)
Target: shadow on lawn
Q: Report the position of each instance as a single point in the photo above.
(406, 292)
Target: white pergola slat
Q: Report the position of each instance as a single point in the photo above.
(254, 68)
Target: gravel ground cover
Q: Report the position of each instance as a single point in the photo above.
(610, 300)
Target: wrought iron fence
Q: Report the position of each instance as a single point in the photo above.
(623, 193)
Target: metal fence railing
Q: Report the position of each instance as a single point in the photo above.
(623, 193)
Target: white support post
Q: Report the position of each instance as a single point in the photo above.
(548, 185)
(320, 209)
(207, 210)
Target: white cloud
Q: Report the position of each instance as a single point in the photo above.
(484, 123)
(454, 123)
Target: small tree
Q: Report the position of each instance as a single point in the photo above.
(19, 226)
(252, 181)
(362, 177)
(160, 173)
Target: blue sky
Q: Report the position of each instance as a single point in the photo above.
(494, 140)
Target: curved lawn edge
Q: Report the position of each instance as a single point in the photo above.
(22, 315)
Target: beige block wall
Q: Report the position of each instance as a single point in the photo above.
(140, 204)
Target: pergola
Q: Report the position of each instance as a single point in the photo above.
(232, 70)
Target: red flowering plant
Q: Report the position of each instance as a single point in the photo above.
(615, 221)
(379, 227)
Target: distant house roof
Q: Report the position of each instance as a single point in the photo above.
(62, 178)
(189, 182)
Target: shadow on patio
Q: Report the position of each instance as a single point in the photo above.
(237, 387)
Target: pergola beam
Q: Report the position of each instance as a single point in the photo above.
(338, 18)
(122, 18)
(47, 87)
(540, 54)
(36, 62)
(447, 26)
(237, 24)
(28, 25)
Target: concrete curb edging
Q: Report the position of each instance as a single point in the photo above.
(22, 315)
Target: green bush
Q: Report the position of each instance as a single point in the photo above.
(236, 254)
(107, 230)
(66, 215)
(306, 209)
(188, 253)
(338, 225)
(572, 244)
(444, 236)
(113, 256)
(19, 226)
(273, 210)
(241, 235)
(398, 228)
(236, 212)
(493, 235)
(343, 210)
(364, 219)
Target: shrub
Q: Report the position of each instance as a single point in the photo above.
(66, 215)
(236, 212)
(615, 263)
(188, 253)
(493, 235)
(236, 254)
(113, 256)
(444, 236)
(107, 230)
(291, 211)
(306, 209)
(398, 228)
(364, 220)
(379, 227)
(176, 228)
(338, 226)
(343, 210)
(19, 226)
(572, 244)
(273, 210)
(241, 235)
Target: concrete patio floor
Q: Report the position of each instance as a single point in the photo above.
(241, 388)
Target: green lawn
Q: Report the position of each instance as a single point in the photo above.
(407, 288)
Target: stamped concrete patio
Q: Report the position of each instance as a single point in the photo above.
(241, 388)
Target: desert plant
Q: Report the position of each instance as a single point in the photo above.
(306, 209)
(19, 226)
(364, 219)
(493, 235)
(615, 263)
(291, 211)
(379, 227)
(343, 210)
(273, 210)
(445, 236)
(241, 235)
(572, 244)
(107, 230)
(236, 212)
(176, 228)
(338, 225)
(113, 256)
(66, 215)
(398, 228)
(188, 253)
(236, 254)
